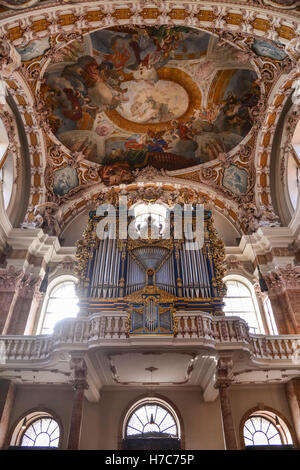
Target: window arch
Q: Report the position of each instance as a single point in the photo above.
(240, 301)
(151, 417)
(159, 214)
(265, 428)
(37, 429)
(60, 302)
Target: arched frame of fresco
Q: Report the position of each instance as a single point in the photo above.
(256, 21)
(210, 198)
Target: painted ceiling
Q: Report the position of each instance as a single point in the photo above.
(196, 105)
(165, 97)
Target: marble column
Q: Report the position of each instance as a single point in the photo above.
(80, 385)
(223, 381)
(7, 397)
(292, 389)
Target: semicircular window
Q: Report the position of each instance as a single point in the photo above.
(43, 432)
(261, 431)
(151, 420)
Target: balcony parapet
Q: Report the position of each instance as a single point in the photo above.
(107, 328)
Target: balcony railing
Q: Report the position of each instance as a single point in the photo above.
(82, 334)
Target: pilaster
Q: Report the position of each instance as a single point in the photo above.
(224, 377)
(80, 384)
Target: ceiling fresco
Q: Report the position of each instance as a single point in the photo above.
(168, 97)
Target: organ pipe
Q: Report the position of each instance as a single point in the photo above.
(116, 271)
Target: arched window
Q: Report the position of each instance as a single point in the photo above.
(144, 213)
(151, 424)
(60, 302)
(240, 301)
(264, 428)
(43, 432)
(37, 429)
(151, 418)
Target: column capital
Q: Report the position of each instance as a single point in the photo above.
(224, 372)
(29, 286)
(282, 278)
(10, 278)
(79, 368)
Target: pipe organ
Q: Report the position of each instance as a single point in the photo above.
(149, 277)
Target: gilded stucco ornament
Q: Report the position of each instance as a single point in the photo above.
(152, 193)
(218, 252)
(83, 252)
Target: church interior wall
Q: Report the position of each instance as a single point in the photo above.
(244, 398)
(102, 421)
(55, 400)
(202, 421)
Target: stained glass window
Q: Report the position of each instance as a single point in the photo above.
(259, 430)
(151, 418)
(43, 432)
(62, 303)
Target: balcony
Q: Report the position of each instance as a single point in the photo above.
(103, 340)
(100, 329)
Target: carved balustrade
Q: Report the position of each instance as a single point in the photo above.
(218, 333)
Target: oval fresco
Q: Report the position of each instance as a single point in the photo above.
(168, 97)
(146, 102)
